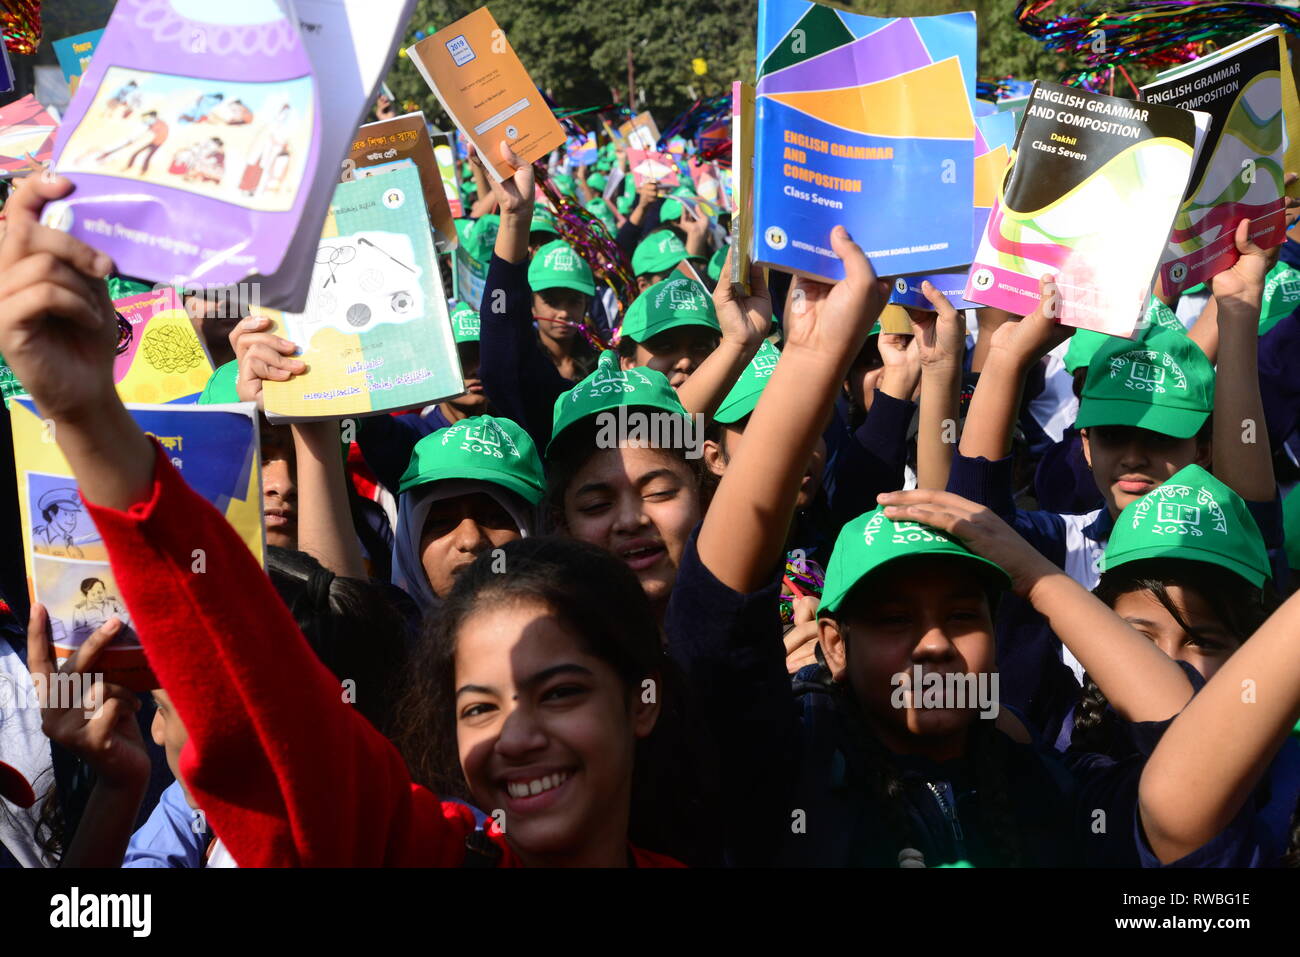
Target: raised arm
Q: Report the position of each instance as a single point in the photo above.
(1013, 349)
(1217, 751)
(1243, 458)
(1140, 681)
(325, 528)
(941, 343)
(745, 323)
(745, 529)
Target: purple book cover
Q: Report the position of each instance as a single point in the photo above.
(192, 140)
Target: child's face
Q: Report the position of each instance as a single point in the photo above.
(718, 455)
(675, 352)
(928, 612)
(640, 504)
(170, 735)
(1128, 462)
(458, 530)
(547, 733)
(474, 401)
(561, 306)
(1205, 648)
(279, 495)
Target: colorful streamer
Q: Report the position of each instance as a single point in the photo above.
(20, 22)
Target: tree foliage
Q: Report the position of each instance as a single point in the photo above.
(577, 50)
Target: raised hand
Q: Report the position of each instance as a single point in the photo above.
(58, 328)
(940, 338)
(747, 320)
(835, 319)
(513, 195)
(1243, 282)
(261, 355)
(98, 726)
(1038, 333)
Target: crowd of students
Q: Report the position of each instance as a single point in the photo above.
(982, 594)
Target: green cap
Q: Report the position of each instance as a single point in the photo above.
(1163, 383)
(483, 448)
(872, 541)
(543, 221)
(1085, 343)
(600, 209)
(1192, 516)
(676, 301)
(464, 322)
(119, 287)
(596, 182)
(742, 398)
(659, 252)
(564, 184)
(1281, 296)
(557, 265)
(609, 387)
(483, 237)
(670, 211)
(715, 263)
(685, 189)
(221, 385)
(624, 204)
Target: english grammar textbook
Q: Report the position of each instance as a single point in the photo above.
(1241, 171)
(1091, 193)
(863, 122)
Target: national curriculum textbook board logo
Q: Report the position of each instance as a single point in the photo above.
(460, 50)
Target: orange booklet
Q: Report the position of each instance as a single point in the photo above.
(474, 73)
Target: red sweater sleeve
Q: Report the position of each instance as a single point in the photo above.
(287, 773)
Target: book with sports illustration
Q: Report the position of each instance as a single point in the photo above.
(1241, 170)
(380, 146)
(164, 361)
(214, 447)
(1092, 189)
(375, 334)
(864, 122)
(478, 79)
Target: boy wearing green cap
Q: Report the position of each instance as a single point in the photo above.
(468, 488)
(672, 327)
(1144, 414)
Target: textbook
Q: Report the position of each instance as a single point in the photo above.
(375, 334)
(204, 140)
(640, 132)
(648, 166)
(994, 135)
(380, 146)
(26, 137)
(443, 156)
(214, 447)
(582, 150)
(74, 55)
(165, 361)
(478, 79)
(1094, 184)
(864, 122)
(1241, 170)
(742, 186)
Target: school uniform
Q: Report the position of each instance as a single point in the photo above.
(797, 796)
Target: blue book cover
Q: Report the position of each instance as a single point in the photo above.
(74, 53)
(865, 122)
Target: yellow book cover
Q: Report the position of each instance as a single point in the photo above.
(215, 448)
